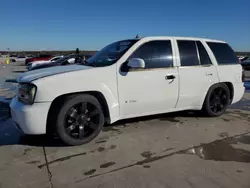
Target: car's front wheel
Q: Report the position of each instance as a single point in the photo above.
(217, 100)
(80, 120)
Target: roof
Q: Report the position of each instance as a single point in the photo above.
(180, 38)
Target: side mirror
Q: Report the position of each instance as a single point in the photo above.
(136, 63)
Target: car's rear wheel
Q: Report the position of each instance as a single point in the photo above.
(80, 120)
(217, 100)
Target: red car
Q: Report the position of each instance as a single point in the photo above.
(38, 58)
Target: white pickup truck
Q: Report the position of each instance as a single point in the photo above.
(126, 79)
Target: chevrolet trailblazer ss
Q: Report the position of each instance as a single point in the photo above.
(126, 79)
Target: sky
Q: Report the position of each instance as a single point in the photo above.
(92, 24)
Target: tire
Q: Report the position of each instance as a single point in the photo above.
(73, 105)
(209, 104)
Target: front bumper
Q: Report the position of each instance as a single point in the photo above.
(31, 119)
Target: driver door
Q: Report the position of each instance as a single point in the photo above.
(153, 89)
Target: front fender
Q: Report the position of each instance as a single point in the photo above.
(52, 87)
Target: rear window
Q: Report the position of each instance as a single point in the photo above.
(223, 53)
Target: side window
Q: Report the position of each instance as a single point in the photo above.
(156, 54)
(223, 53)
(188, 53)
(204, 57)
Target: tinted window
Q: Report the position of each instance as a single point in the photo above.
(188, 53)
(204, 58)
(156, 54)
(223, 53)
(111, 53)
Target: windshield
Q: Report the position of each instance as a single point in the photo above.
(110, 54)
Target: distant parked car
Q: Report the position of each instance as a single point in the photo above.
(13, 55)
(38, 58)
(30, 55)
(246, 64)
(246, 58)
(243, 58)
(20, 58)
(35, 63)
(66, 60)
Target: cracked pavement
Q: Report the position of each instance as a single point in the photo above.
(169, 150)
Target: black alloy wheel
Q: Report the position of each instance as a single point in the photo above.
(80, 120)
(217, 100)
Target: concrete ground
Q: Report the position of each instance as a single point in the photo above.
(170, 150)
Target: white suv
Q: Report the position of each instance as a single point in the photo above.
(126, 79)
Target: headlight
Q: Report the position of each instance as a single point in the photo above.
(26, 93)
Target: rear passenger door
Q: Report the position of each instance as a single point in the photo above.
(197, 73)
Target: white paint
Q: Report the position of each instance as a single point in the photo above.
(132, 94)
(151, 91)
(31, 118)
(40, 73)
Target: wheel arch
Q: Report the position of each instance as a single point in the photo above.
(228, 84)
(231, 89)
(58, 102)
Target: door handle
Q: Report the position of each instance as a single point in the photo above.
(169, 77)
(209, 74)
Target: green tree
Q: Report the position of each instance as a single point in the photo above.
(77, 50)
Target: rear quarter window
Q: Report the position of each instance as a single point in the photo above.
(223, 53)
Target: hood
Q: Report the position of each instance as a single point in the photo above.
(41, 73)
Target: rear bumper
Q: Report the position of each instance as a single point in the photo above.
(239, 91)
(31, 119)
